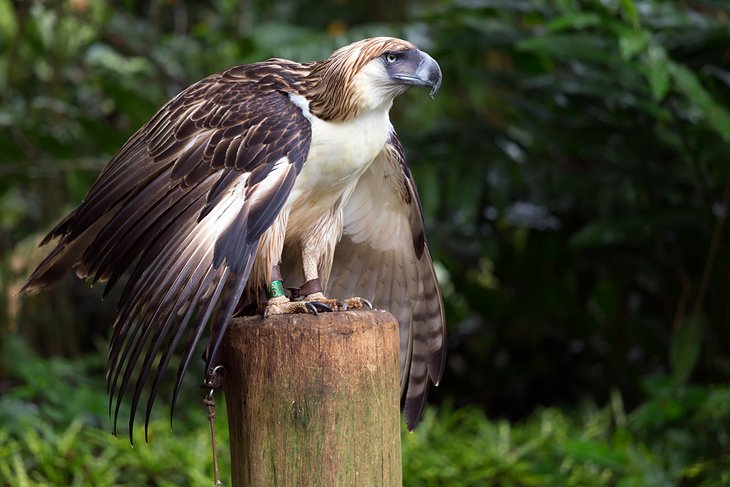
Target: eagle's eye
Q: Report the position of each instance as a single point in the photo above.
(391, 58)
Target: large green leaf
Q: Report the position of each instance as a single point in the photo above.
(714, 113)
(685, 347)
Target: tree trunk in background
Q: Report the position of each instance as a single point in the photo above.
(314, 400)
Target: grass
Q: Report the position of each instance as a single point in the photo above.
(54, 430)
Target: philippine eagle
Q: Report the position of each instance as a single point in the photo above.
(270, 169)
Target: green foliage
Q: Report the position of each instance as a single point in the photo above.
(54, 430)
(573, 172)
(664, 442)
(576, 183)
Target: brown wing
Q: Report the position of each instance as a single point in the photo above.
(383, 257)
(183, 205)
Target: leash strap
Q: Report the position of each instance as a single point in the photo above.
(214, 380)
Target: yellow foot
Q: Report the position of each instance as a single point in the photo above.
(350, 303)
(282, 305)
(331, 304)
(356, 303)
(313, 303)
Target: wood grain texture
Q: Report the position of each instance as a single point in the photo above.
(314, 400)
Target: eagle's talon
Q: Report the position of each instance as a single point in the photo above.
(311, 308)
(341, 306)
(283, 306)
(357, 303)
(321, 307)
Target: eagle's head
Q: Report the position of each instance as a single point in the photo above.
(368, 75)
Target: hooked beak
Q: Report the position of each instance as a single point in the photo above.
(428, 73)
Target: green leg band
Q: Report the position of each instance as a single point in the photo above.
(276, 289)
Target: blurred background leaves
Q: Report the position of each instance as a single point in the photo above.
(575, 182)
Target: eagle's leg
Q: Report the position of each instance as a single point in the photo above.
(307, 299)
(310, 297)
(278, 303)
(312, 290)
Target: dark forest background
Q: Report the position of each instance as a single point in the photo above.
(574, 172)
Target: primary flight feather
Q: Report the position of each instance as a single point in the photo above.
(267, 172)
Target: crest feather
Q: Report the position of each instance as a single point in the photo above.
(331, 93)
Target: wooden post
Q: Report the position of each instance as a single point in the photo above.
(314, 400)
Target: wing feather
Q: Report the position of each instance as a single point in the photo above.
(181, 208)
(383, 256)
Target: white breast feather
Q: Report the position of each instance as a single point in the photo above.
(339, 154)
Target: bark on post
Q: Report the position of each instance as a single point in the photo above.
(314, 400)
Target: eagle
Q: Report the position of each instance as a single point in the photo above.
(265, 176)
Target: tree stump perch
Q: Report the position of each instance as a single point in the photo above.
(314, 400)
